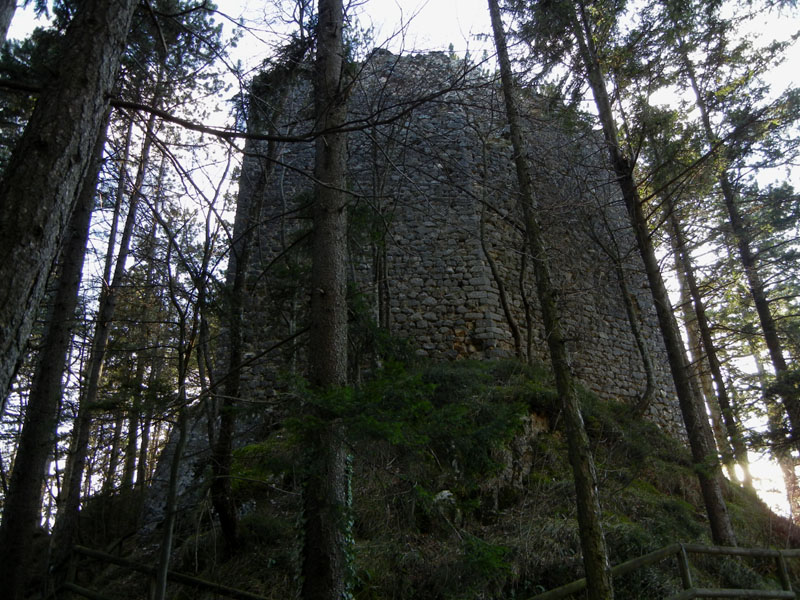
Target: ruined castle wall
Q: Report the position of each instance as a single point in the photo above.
(426, 181)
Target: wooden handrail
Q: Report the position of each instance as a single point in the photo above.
(171, 576)
(82, 591)
(736, 551)
(621, 569)
(681, 550)
(733, 593)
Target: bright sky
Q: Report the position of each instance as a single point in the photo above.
(412, 25)
(432, 24)
(399, 25)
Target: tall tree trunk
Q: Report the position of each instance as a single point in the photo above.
(142, 473)
(734, 432)
(327, 546)
(595, 552)
(122, 180)
(700, 373)
(50, 163)
(109, 477)
(188, 324)
(526, 303)
(23, 498)
(496, 276)
(612, 250)
(142, 360)
(756, 287)
(152, 449)
(7, 10)
(646, 397)
(3, 477)
(697, 428)
(781, 452)
(171, 510)
(134, 416)
(64, 529)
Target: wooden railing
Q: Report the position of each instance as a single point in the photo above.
(172, 576)
(681, 552)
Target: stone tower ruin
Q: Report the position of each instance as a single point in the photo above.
(436, 246)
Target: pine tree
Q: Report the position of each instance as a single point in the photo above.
(740, 124)
(326, 553)
(587, 28)
(595, 553)
(50, 162)
(22, 501)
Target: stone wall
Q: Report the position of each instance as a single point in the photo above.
(433, 208)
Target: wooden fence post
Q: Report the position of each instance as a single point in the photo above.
(685, 568)
(783, 572)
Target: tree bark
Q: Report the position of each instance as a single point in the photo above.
(698, 372)
(734, 433)
(595, 552)
(23, 499)
(327, 546)
(143, 462)
(328, 350)
(134, 416)
(129, 468)
(50, 163)
(110, 476)
(64, 528)
(7, 10)
(188, 325)
(644, 401)
(614, 253)
(697, 428)
(526, 303)
(171, 509)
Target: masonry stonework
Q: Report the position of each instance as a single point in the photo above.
(436, 243)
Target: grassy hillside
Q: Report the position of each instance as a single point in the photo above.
(462, 489)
